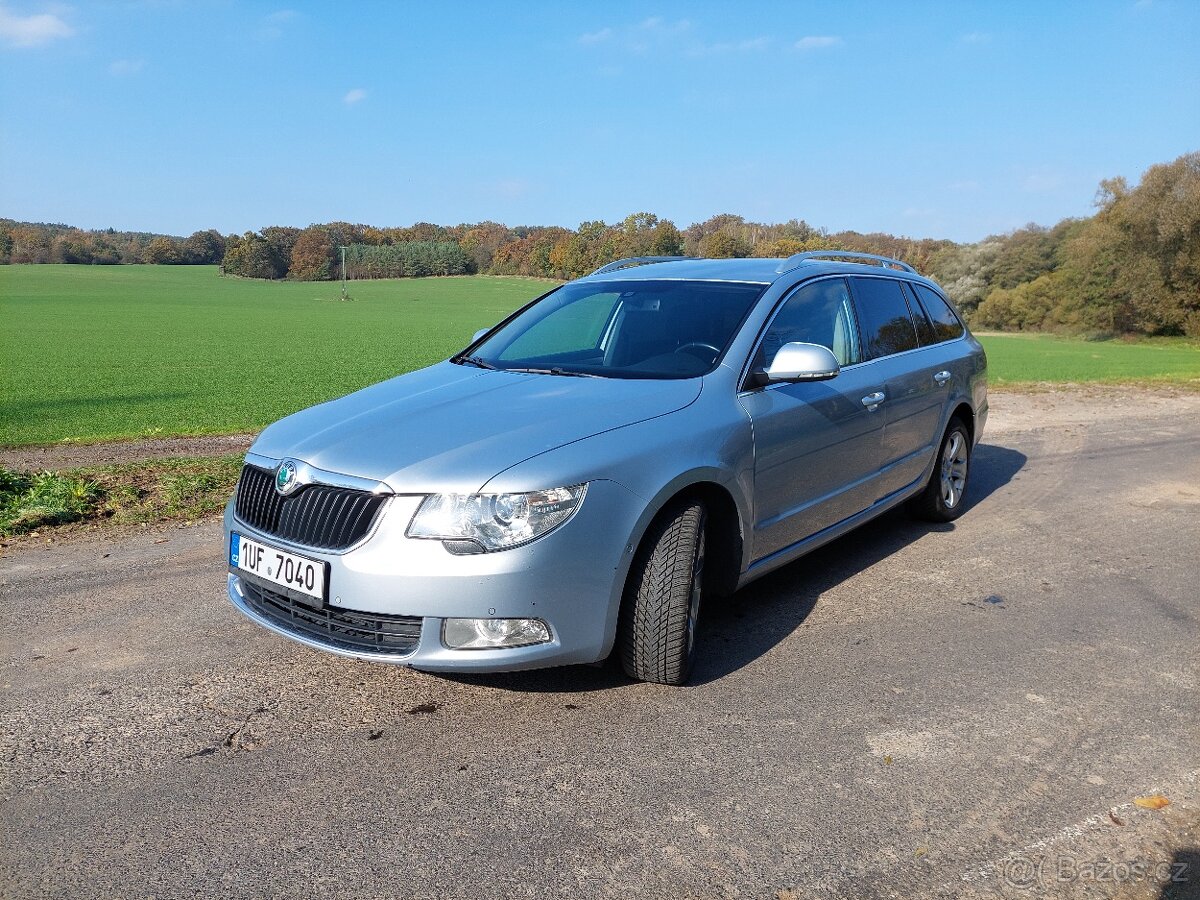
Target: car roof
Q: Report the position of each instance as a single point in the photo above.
(756, 270)
(753, 270)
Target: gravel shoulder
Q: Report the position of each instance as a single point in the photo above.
(1083, 405)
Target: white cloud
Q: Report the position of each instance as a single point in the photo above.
(656, 34)
(672, 36)
(32, 30)
(976, 37)
(357, 95)
(818, 42)
(273, 24)
(596, 37)
(749, 45)
(662, 26)
(126, 66)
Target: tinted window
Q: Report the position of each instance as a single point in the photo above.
(925, 333)
(818, 313)
(886, 324)
(576, 326)
(945, 323)
(623, 329)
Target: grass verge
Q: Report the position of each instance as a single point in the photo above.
(124, 493)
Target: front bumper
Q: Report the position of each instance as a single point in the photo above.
(572, 579)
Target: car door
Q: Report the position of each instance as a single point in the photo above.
(907, 366)
(816, 444)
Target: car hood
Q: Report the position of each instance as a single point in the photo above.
(452, 428)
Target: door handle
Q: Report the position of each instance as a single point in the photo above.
(872, 401)
(942, 377)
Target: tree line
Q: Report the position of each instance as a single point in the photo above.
(39, 242)
(1133, 267)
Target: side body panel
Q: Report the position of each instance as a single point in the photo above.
(816, 450)
(913, 412)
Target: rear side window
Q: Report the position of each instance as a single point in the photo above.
(925, 333)
(886, 325)
(946, 326)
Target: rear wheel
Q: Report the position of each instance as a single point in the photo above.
(942, 499)
(657, 639)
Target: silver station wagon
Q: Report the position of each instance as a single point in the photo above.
(587, 474)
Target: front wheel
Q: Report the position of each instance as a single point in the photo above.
(942, 499)
(657, 638)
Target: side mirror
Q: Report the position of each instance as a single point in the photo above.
(802, 362)
(480, 333)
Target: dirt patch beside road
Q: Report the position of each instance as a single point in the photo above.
(1078, 404)
(57, 457)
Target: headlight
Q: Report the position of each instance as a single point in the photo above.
(474, 523)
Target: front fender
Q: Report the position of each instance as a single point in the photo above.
(704, 444)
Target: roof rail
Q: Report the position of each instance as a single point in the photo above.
(632, 261)
(799, 259)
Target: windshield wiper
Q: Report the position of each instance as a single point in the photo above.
(572, 374)
(556, 370)
(475, 361)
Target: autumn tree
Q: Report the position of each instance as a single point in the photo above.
(666, 240)
(30, 244)
(251, 256)
(480, 242)
(203, 248)
(1152, 244)
(162, 251)
(280, 239)
(73, 247)
(312, 255)
(722, 245)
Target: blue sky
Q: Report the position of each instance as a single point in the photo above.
(929, 119)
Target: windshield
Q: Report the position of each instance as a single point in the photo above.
(621, 329)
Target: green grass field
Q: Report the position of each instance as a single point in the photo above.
(1024, 359)
(91, 353)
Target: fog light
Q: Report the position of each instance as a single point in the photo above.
(487, 634)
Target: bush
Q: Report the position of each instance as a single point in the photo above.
(28, 502)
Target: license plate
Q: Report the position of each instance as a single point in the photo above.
(306, 576)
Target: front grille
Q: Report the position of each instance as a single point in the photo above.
(340, 628)
(316, 515)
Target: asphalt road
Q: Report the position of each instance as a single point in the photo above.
(967, 710)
